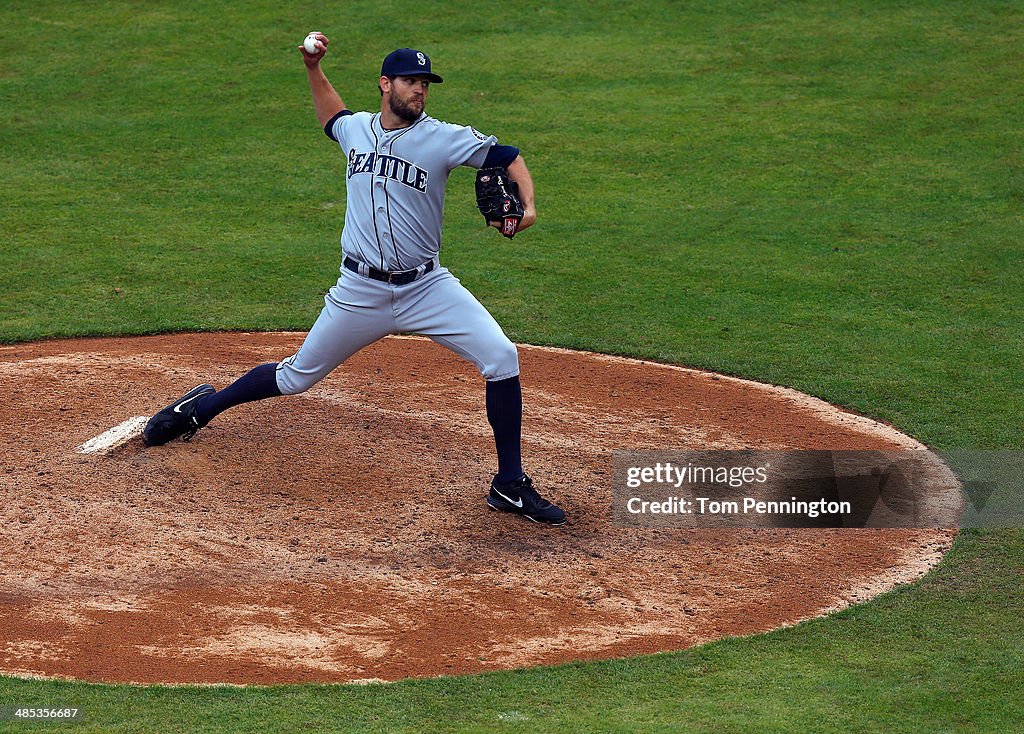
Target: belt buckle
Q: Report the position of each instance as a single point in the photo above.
(399, 274)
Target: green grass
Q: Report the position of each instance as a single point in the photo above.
(826, 196)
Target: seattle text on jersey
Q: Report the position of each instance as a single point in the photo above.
(388, 166)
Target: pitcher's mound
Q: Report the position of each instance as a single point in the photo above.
(342, 534)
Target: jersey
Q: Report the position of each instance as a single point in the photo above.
(396, 182)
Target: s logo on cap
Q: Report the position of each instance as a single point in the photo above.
(422, 59)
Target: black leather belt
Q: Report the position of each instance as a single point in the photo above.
(394, 277)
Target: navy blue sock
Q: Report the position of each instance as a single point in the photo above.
(505, 414)
(256, 384)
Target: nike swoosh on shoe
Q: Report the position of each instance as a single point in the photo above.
(516, 503)
(177, 408)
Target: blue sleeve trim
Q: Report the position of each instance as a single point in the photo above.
(329, 127)
(500, 156)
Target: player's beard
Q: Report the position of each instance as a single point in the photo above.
(404, 108)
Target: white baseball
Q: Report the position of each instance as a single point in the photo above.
(310, 44)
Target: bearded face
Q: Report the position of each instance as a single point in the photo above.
(408, 97)
(408, 109)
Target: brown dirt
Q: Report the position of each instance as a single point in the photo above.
(342, 534)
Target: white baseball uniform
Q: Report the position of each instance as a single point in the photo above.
(396, 183)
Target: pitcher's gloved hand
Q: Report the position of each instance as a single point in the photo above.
(497, 198)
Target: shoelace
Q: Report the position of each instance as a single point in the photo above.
(526, 490)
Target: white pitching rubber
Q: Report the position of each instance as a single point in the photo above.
(114, 437)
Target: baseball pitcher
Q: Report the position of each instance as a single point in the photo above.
(399, 160)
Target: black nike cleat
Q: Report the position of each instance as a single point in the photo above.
(177, 419)
(520, 498)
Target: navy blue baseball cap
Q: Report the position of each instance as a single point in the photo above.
(408, 62)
